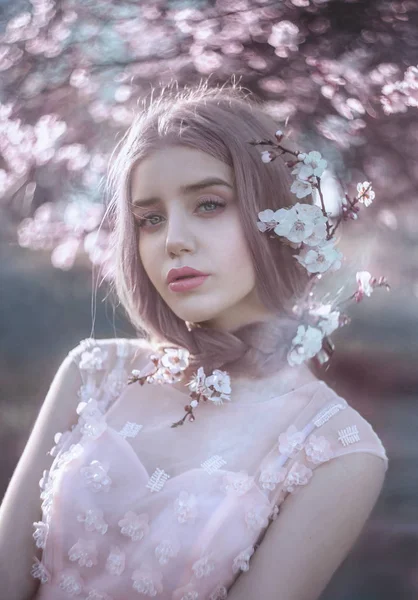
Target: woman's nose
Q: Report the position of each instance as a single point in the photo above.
(179, 235)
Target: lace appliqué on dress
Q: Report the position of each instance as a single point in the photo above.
(166, 550)
(242, 561)
(298, 475)
(39, 571)
(95, 477)
(212, 464)
(93, 520)
(349, 435)
(147, 581)
(204, 566)
(84, 552)
(237, 483)
(115, 563)
(134, 526)
(318, 449)
(130, 429)
(291, 441)
(157, 480)
(185, 507)
(71, 583)
(257, 517)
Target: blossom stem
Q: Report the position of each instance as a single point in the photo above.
(321, 196)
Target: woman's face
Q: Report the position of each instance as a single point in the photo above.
(198, 228)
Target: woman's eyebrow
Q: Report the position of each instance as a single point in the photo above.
(186, 189)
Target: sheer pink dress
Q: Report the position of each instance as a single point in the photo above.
(134, 508)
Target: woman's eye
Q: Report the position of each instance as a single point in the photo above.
(146, 220)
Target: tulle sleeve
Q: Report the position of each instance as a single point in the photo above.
(104, 367)
(326, 475)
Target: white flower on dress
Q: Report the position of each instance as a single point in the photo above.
(96, 477)
(85, 552)
(147, 581)
(318, 449)
(96, 595)
(89, 410)
(185, 507)
(241, 562)
(299, 474)
(275, 512)
(40, 534)
(257, 517)
(165, 550)
(71, 583)
(93, 360)
(291, 441)
(39, 571)
(59, 439)
(238, 483)
(47, 495)
(73, 452)
(92, 420)
(219, 593)
(186, 592)
(93, 520)
(115, 563)
(94, 429)
(204, 566)
(134, 526)
(270, 477)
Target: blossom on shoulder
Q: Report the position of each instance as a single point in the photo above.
(306, 344)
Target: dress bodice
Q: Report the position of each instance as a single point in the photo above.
(133, 507)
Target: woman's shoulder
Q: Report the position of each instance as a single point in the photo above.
(98, 354)
(342, 426)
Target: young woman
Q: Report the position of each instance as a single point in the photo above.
(261, 489)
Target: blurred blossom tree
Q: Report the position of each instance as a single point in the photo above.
(338, 76)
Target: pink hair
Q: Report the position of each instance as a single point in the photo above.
(220, 121)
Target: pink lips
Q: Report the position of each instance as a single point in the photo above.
(175, 274)
(183, 285)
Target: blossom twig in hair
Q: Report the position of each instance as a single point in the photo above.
(306, 227)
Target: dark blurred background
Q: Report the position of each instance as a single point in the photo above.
(340, 77)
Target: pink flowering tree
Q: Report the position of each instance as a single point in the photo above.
(338, 76)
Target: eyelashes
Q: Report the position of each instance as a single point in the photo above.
(144, 221)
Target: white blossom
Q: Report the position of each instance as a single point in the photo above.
(266, 156)
(329, 319)
(363, 196)
(134, 526)
(301, 188)
(306, 344)
(176, 360)
(310, 165)
(321, 258)
(363, 281)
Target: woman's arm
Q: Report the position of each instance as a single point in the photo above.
(314, 531)
(21, 505)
